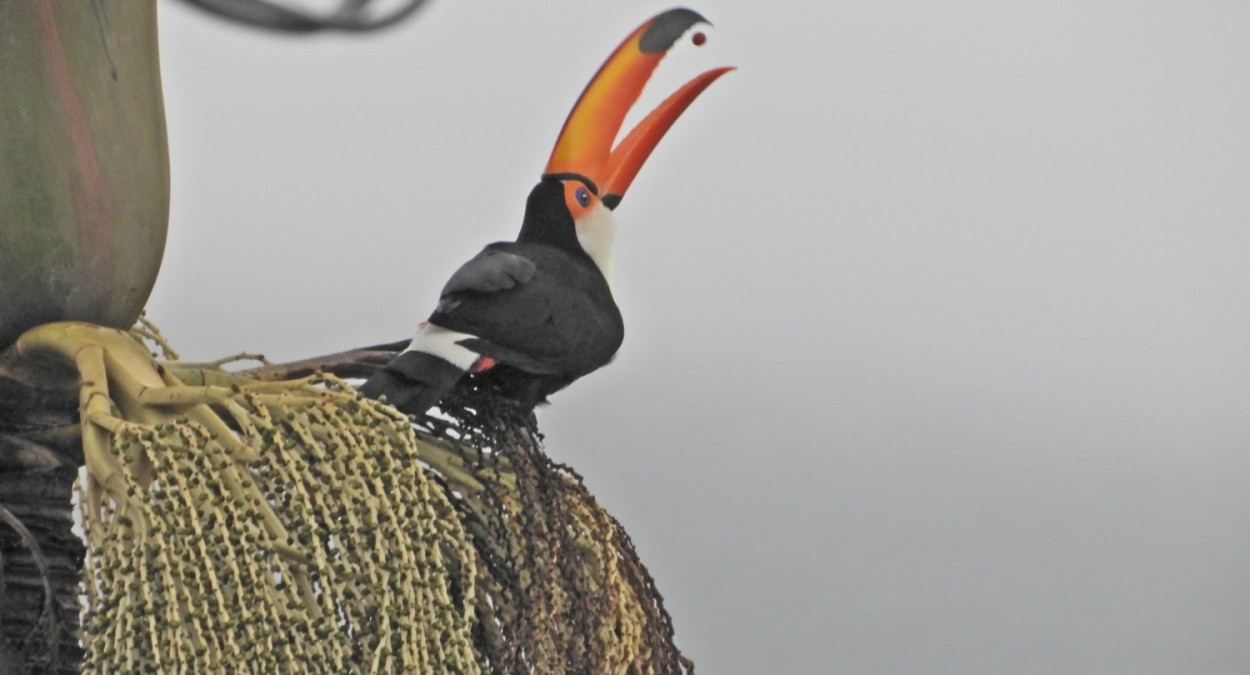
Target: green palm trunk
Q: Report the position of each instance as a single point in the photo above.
(84, 166)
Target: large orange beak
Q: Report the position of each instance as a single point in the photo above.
(584, 147)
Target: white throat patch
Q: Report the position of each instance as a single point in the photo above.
(595, 232)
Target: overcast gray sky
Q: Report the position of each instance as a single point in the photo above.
(936, 356)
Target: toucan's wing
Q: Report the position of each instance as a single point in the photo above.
(490, 271)
(561, 318)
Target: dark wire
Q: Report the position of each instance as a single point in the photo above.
(351, 16)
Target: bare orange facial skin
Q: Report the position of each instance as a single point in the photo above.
(578, 198)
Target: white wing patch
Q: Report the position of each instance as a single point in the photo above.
(441, 342)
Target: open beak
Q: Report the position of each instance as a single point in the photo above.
(584, 147)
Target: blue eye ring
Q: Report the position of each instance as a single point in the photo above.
(583, 196)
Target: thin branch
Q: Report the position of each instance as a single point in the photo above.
(360, 362)
(352, 16)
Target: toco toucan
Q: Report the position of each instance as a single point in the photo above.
(538, 313)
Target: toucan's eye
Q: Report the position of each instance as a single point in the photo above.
(578, 196)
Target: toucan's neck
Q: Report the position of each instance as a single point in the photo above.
(596, 231)
(548, 221)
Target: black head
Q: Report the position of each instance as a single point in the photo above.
(551, 210)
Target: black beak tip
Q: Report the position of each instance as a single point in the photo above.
(668, 27)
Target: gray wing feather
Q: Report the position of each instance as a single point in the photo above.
(487, 272)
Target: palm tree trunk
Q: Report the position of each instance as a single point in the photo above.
(40, 555)
(84, 204)
(84, 167)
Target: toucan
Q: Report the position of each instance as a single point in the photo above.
(535, 314)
